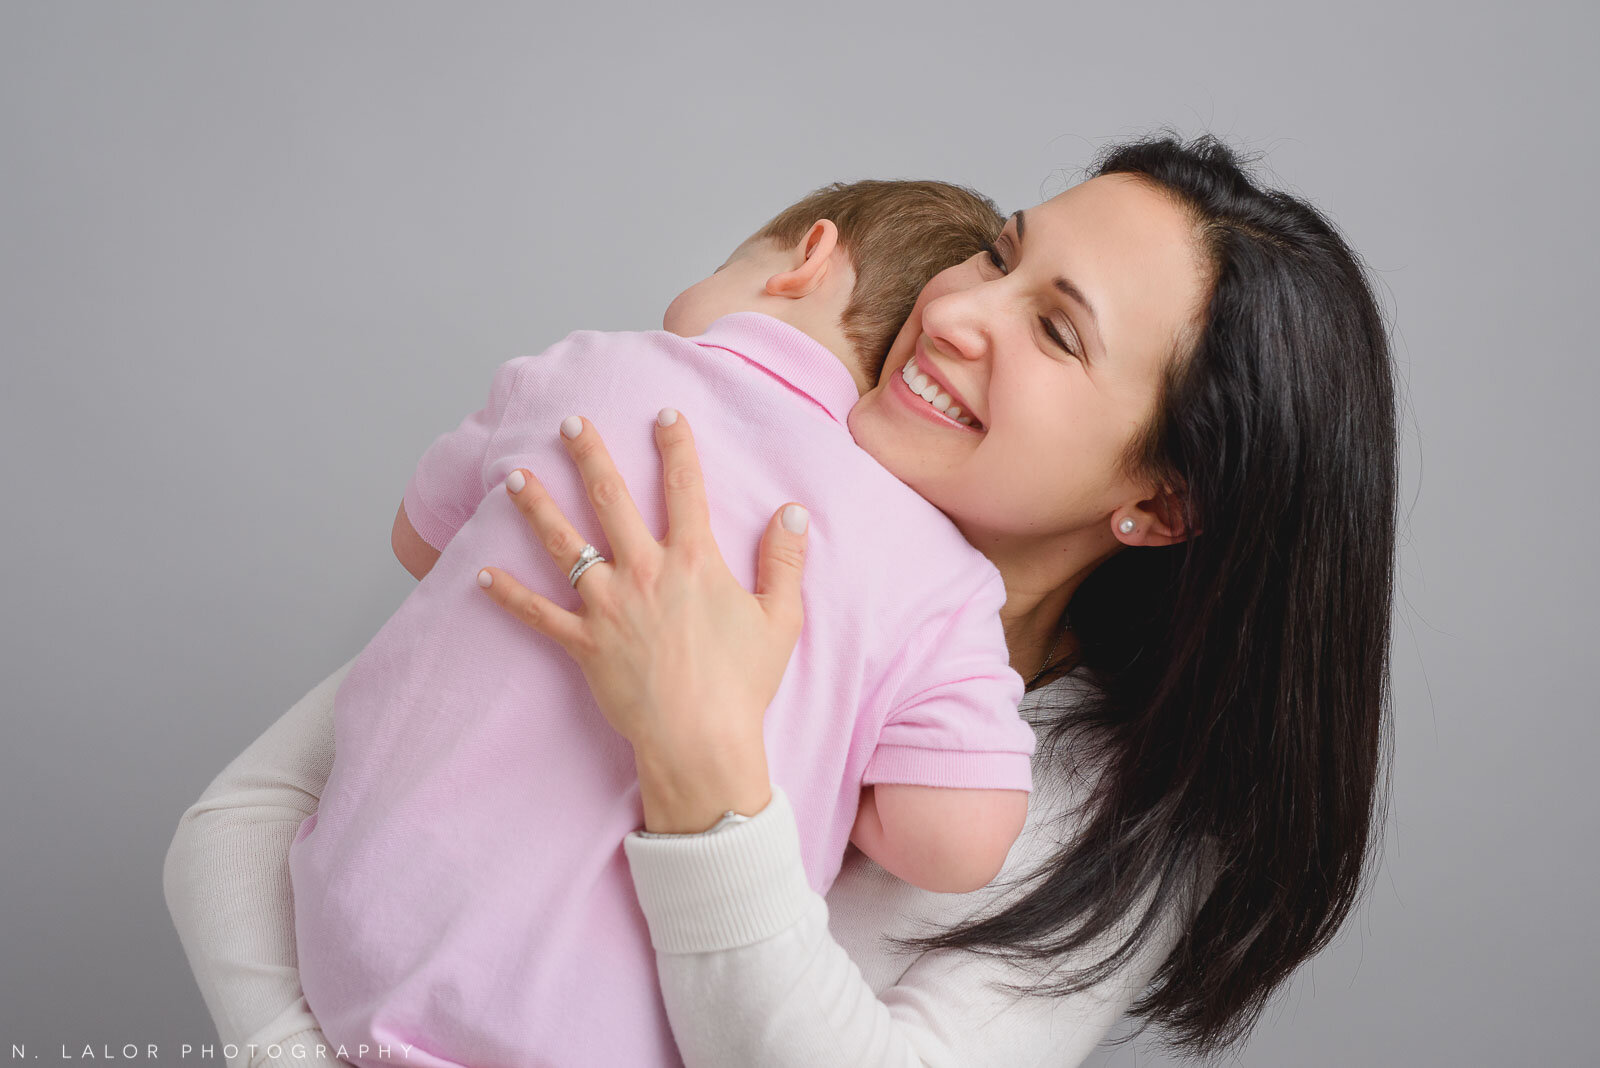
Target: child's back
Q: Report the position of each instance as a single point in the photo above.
(461, 895)
(464, 871)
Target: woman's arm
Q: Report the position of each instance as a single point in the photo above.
(752, 974)
(226, 880)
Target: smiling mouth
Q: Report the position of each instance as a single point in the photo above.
(922, 386)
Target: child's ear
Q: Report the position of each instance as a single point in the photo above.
(814, 259)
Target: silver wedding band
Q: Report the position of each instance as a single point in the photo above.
(586, 559)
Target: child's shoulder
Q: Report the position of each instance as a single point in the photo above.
(614, 340)
(597, 351)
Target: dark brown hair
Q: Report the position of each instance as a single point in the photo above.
(1239, 707)
(898, 234)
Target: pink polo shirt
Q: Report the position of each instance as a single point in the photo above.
(462, 888)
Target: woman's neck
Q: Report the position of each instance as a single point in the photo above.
(1040, 581)
(1032, 632)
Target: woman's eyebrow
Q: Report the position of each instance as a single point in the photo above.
(1066, 288)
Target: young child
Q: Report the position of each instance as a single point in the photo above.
(461, 894)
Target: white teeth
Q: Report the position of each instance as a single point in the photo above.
(929, 390)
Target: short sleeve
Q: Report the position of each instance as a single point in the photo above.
(448, 483)
(955, 721)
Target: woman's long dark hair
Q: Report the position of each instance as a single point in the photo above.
(1239, 712)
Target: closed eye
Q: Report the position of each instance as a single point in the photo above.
(1055, 335)
(1052, 331)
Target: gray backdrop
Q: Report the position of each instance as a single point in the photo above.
(256, 256)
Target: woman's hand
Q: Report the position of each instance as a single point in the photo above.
(682, 660)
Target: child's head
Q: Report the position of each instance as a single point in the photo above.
(845, 264)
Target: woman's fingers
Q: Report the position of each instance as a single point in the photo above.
(613, 505)
(559, 538)
(540, 613)
(781, 564)
(687, 514)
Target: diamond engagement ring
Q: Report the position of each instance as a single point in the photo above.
(586, 559)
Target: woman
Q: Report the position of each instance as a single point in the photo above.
(1187, 478)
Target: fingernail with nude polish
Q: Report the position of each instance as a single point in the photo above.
(485, 579)
(794, 519)
(514, 483)
(571, 427)
(667, 416)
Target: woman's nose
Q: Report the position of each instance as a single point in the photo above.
(957, 323)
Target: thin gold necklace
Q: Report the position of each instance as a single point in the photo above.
(1062, 633)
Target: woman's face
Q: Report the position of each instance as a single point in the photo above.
(1057, 391)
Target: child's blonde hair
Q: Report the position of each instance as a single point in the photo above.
(898, 235)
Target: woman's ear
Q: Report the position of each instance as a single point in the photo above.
(1156, 520)
(814, 259)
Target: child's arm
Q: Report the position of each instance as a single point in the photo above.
(448, 483)
(416, 555)
(946, 840)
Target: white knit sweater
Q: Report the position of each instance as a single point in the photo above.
(755, 967)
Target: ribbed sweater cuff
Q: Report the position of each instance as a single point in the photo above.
(725, 890)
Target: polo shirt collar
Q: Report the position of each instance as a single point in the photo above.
(789, 353)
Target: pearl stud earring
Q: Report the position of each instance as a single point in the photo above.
(1126, 526)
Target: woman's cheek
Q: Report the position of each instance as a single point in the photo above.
(950, 280)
